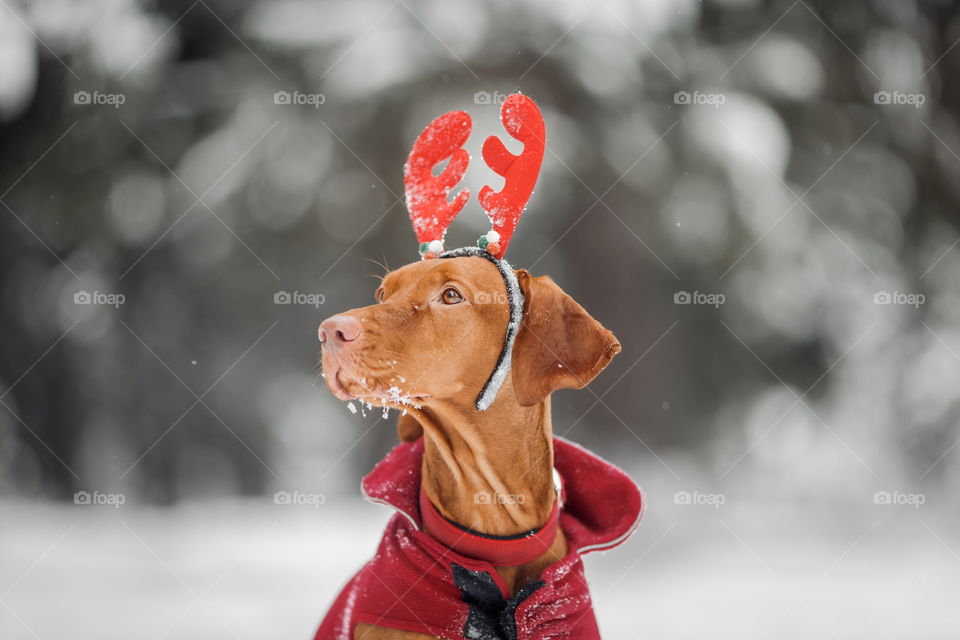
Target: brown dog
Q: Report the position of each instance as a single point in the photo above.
(427, 348)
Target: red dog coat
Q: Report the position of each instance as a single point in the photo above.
(414, 583)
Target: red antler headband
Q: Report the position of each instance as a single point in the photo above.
(443, 139)
(431, 213)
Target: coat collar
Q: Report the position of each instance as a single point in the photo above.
(602, 509)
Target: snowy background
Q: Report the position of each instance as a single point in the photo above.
(760, 199)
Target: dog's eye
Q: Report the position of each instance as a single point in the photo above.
(379, 294)
(451, 296)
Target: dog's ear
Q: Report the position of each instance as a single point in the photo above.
(559, 345)
(408, 429)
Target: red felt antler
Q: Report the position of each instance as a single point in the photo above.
(522, 120)
(426, 193)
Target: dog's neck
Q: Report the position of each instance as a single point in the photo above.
(490, 471)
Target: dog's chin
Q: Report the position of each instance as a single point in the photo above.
(339, 386)
(345, 386)
(348, 386)
(349, 380)
(341, 381)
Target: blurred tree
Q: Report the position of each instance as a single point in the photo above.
(200, 197)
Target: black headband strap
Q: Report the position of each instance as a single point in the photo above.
(515, 301)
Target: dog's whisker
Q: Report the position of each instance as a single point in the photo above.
(382, 265)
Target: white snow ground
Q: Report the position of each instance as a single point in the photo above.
(253, 569)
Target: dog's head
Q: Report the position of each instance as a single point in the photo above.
(437, 331)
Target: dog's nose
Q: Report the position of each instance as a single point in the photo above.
(340, 328)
